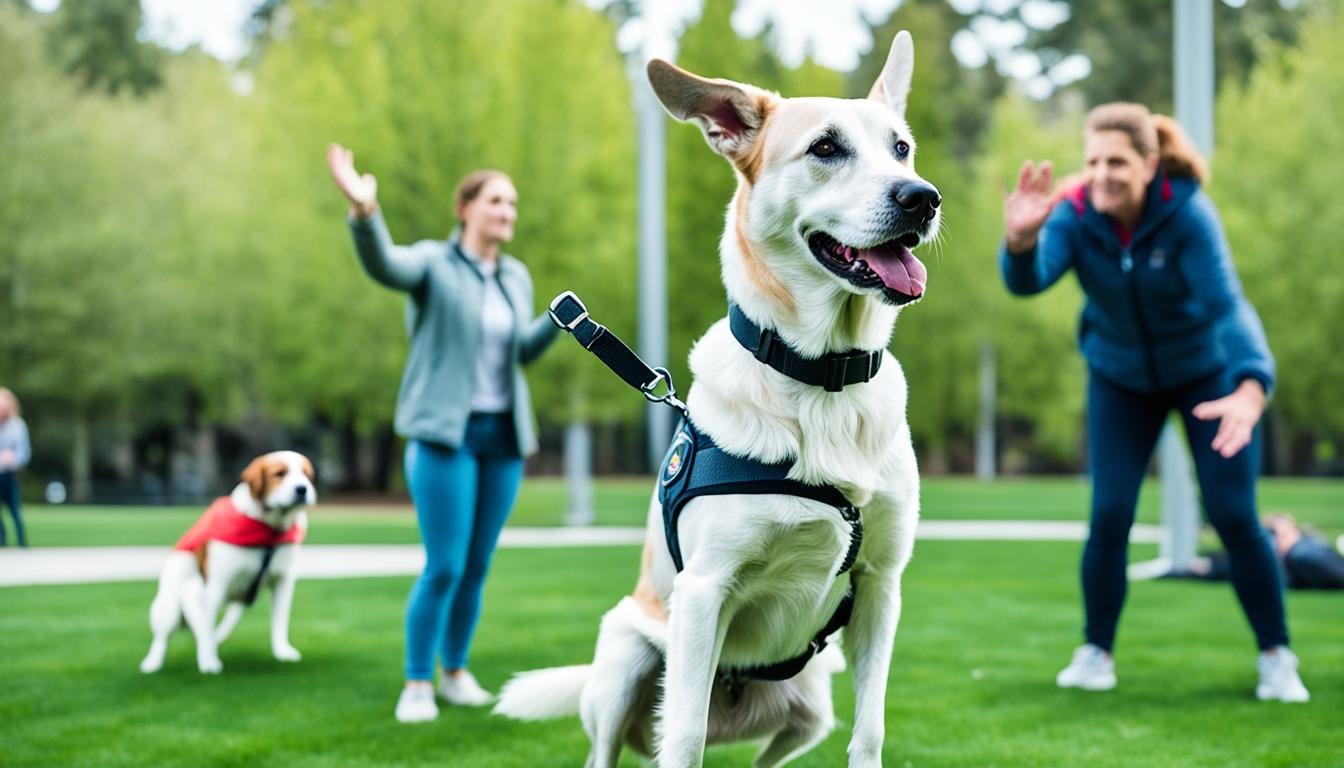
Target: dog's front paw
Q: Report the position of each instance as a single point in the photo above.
(865, 757)
(286, 653)
(209, 665)
(151, 664)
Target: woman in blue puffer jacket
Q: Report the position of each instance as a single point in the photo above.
(1165, 327)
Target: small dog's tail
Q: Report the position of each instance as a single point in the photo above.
(543, 694)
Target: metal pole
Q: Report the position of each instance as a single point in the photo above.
(579, 472)
(1193, 96)
(652, 246)
(984, 433)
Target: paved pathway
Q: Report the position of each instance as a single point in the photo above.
(81, 565)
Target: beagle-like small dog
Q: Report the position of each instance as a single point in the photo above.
(816, 248)
(244, 541)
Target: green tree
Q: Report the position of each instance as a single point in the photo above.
(1129, 43)
(1277, 191)
(97, 42)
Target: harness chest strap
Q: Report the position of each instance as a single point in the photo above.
(696, 466)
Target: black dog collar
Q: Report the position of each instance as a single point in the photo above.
(832, 371)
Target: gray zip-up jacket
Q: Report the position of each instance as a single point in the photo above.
(14, 437)
(443, 320)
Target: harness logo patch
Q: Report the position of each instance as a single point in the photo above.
(677, 457)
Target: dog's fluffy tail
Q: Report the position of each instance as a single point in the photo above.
(544, 693)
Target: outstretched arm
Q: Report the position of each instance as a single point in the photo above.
(390, 264)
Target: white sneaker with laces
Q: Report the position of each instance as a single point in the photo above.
(1092, 669)
(462, 690)
(1279, 680)
(416, 704)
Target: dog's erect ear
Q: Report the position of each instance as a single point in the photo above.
(255, 476)
(893, 85)
(730, 114)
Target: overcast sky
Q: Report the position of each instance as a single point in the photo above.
(833, 31)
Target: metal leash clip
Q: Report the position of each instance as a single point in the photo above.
(664, 376)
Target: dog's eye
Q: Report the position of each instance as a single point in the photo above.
(902, 149)
(823, 148)
(281, 472)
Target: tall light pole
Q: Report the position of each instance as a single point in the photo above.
(1192, 78)
(652, 293)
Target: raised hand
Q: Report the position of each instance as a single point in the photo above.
(360, 189)
(1028, 206)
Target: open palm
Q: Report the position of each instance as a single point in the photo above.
(1028, 206)
(360, 189)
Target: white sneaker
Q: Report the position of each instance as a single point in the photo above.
(463, 690)
(416, 704)
(1278, 677)
(1092, 669)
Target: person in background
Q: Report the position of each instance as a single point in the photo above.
(15, 452)
(463, 408)
(1307, 559)
(1165, 327)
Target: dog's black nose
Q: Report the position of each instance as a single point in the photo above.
(301, 491)
(917, 198)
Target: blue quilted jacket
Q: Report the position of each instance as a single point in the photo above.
(1162, 311)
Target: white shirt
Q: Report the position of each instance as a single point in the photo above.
(493, 382)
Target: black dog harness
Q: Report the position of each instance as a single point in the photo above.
(696, 466)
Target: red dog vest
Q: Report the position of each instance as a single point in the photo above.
(222, 521)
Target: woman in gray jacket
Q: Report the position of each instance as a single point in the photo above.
(463, 408)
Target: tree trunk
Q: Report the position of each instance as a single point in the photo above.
(81, 460)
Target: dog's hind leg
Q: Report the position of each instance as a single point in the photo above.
(792, 741)
(810, 717)
(165, 613)
(231, 616)
(623, 663)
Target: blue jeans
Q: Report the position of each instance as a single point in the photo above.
(9, 494)
(1123, 427)
(462, 498)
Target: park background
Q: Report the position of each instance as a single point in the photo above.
(178, 292)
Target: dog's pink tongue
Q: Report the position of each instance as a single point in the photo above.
(897, 266)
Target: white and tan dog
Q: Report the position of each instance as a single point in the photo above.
(244, 541)
(816, 247)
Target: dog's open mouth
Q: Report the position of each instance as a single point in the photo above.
(889, 266)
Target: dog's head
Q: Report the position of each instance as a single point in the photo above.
(828, 192)
(281, 480)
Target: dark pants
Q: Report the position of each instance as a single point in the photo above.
(1123, 427)
(9, 494)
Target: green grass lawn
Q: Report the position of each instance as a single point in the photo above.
(624, 501)
(985, 628)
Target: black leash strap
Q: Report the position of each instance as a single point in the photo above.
(572, 316)
(250, 596)
(833, 371)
